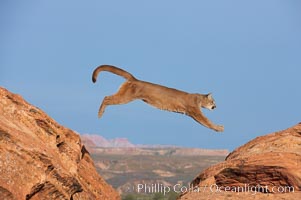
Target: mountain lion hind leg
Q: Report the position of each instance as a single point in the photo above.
(121, 97)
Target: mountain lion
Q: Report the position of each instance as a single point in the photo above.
(158, 96)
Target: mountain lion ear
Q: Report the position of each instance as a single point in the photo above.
(209, 96)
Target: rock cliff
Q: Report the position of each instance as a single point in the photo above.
(267, 167)
(40, 159)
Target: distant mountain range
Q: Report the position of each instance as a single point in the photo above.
(97, 143)
(93, 140)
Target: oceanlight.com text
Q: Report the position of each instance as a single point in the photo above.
(214, 188)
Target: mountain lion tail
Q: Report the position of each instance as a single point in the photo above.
(112, 69)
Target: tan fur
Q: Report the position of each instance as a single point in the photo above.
(158, 96)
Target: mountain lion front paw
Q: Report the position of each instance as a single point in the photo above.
(219, 128)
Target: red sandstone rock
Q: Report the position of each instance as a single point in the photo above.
(272, 162)
(40, 159)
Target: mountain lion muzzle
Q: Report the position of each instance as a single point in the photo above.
(158, 96)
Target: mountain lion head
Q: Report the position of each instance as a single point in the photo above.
(208, 102)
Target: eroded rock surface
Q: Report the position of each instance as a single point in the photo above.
(269, 164)
(40, 159)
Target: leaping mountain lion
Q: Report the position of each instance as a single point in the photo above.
(158, 96)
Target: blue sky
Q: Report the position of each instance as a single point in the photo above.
(247, 53)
